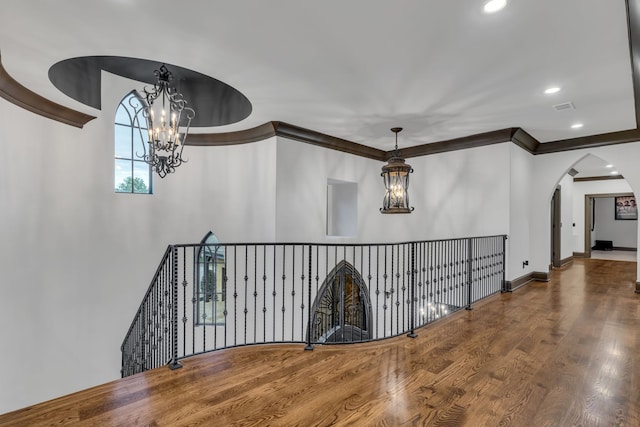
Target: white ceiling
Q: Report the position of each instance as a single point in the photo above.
(442, 69)
(593, 166)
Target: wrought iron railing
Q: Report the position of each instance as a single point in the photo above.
(208, 297)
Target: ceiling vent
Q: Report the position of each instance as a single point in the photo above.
(564, 106)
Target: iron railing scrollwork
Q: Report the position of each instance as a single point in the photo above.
(257, 293)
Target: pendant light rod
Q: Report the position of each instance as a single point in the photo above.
(396, 130)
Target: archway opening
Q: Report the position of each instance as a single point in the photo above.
(590, 190)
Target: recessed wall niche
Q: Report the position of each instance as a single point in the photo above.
(342, 208)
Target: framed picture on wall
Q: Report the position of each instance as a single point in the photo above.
(626, 207)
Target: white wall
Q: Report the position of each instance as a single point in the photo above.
(519, 242)
(76, 258)
(623, 233)
(447, 190)
(566, 217)
(582, 188)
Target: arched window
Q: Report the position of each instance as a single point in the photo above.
(132, 174)
(211, 282)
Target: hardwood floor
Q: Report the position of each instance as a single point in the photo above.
(562, 353)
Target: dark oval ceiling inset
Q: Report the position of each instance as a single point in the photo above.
(215, 103)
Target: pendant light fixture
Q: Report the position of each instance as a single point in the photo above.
(395, 175)
(168, 121)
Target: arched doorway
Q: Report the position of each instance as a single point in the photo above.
(589, 189)
(342, 309)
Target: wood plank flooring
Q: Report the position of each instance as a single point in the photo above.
(562, 353)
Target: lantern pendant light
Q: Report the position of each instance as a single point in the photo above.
(168, 121)
(395, 175)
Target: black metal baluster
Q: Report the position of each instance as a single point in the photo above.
(469, 271)
(146, 328)
(273, 294)
(246, 292)
(437, 277)
(225, 283)
(154, 313)
(284, 292)
(484, 250)
(391, 291)
(487, 268)
(309, 346)
(293, 292)
(424, 290)
(302, 277)
(442, 275)
(184, 302)
(450, 273)
(326, 263)
(235, 295)
(412, 293)
(453, 270)
(264, 293)
(398, 288)
(484, 268)
(165, 316)
(352, 274)
(461, 271)
(386, 295)
(377, 324)
(255, 294)
(214, 296)
(194, 302)
(405, 272)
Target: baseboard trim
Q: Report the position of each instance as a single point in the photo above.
(537, 276)
(637, 287)
(540, 276)
(567, 260)
(579, 254)
(621, 248)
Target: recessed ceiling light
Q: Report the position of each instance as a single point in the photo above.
(609, 166)
(552, 90)
(494, 6)
(576, 125)
(614, 172)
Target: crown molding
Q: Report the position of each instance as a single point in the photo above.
(327, 141)
(246, 136)
(471, 141)
(289, 131)
(19, 95)
(597, 178)
(611, 138)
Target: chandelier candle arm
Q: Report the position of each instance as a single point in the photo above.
(395, 175)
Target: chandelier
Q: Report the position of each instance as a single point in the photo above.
(396, 182)
(168, 120)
